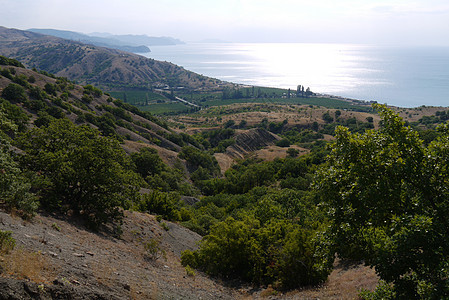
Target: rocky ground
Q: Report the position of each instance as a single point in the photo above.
(65, 259)
(56, 259)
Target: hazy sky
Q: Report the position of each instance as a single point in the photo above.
(421, 22)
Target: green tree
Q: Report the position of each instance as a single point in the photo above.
(14, 93)
(292, 152)
(14, 186)
(160, 203)
(196, 158)
(80, 170)
(387, 194)
(327, 117)
(278, 252)
(148, 162)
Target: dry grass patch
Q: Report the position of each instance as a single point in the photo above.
(104, 273)
(23, 264)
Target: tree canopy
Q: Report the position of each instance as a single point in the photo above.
(387, 195)
(80, 170)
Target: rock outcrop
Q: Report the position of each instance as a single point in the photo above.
(249, 141)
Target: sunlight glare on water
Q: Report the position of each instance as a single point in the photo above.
(393, 75)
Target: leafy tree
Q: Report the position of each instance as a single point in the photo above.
(80, 170)
(13, 114)
(279, 252)
(196, 158)
(10, 62)
(14, 93)
(292, 152)
(148, 162)
(50, 89)
(283, 143)
(327, 117)
(14, 186)
(229, 124)
(164, 204)
(387, 194)
(242, 124)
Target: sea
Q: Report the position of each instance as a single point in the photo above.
(399, 76)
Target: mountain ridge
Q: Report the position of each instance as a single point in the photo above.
(106, 68)
(96, 41)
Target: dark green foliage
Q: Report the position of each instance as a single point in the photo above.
(10, 62)
(214, 137)
(79, 170)
(7, 242)
(292, 152)
(148, 162)
(296, 135)
(14, 186)
(229, 124)
(160, 203)
(37, 93)
(6, 73)
(146, 115)
(382, 291)
(14, 93)
(279, 252)
(21, 80)
(55, 112)
(14, 114)
(439, 117)
(50, 89)
(91, 90)
(87, 98)
(243, 177)
(387, 195)
(175, 138)
(351, 123)
(277, 127)
(43, 119)
(196, 158)
(31, 79)
(154, 250)
(119, 112)
(327, 118)
(283, 143)
(36, 105)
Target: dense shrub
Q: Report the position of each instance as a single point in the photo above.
(7, 242)
(280, 253)
(10, 62)
(387, 196)
(14, 93)
(14, 186)
(80, 170)
(160, 203)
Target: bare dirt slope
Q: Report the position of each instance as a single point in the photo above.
(54, 259)
(57, 254)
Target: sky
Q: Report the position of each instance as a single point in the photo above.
(390, 22)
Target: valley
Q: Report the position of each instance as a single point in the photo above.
(112, 188)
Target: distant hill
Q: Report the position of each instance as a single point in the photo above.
(128, 42)
(97, 41)
(107, 68)
(49, 97)
(144, 40)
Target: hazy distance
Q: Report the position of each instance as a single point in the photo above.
(391, 22)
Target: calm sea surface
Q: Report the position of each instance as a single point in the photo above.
(399, 76)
